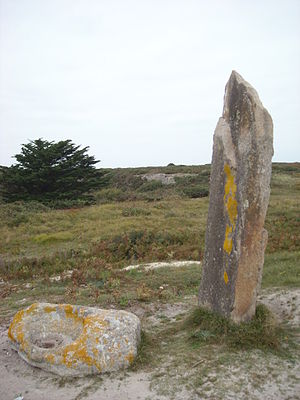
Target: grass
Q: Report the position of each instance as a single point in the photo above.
(281, 269)
(261, 332)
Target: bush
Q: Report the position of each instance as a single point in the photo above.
(196, 191)
(150, 186)
(16, 213)
(144, 245)
(125, 179)
(75, 203)
(109, 195)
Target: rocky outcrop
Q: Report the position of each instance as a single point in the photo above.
(74, 340)
(165, 179)
(239, 196)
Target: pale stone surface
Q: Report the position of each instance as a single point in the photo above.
(165, 179)
(160, 264)
(239, 196)
(73, 340)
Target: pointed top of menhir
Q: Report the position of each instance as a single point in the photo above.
(236, 75)
(239, 94)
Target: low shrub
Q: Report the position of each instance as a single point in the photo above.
(110, 195)
(194, 192)
(14, 214)
(144, 245)
(150, 186)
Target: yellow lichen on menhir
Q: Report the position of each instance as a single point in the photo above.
(230, 204)
(229, 196)
(225, 277)
(228, 240)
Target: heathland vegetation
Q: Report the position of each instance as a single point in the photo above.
(134, 220)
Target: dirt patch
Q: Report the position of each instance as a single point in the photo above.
(284, 303)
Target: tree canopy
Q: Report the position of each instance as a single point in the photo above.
(50, 172)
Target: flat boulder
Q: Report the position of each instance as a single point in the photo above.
(71, 340)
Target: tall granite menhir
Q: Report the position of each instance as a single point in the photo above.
(239, 196)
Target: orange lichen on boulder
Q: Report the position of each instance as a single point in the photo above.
(73, 340)
(15, 331)
(130, 358)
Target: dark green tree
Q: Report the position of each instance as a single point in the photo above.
(50, 172)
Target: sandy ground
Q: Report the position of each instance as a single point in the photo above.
(255, 376)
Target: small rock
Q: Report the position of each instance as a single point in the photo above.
(22, 301)
(28, 285)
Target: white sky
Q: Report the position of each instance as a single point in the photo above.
(142, 81)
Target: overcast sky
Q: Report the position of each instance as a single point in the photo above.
(142, 82)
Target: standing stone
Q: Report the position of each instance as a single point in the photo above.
(239, 196)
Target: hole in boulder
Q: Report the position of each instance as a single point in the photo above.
(48, 342)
